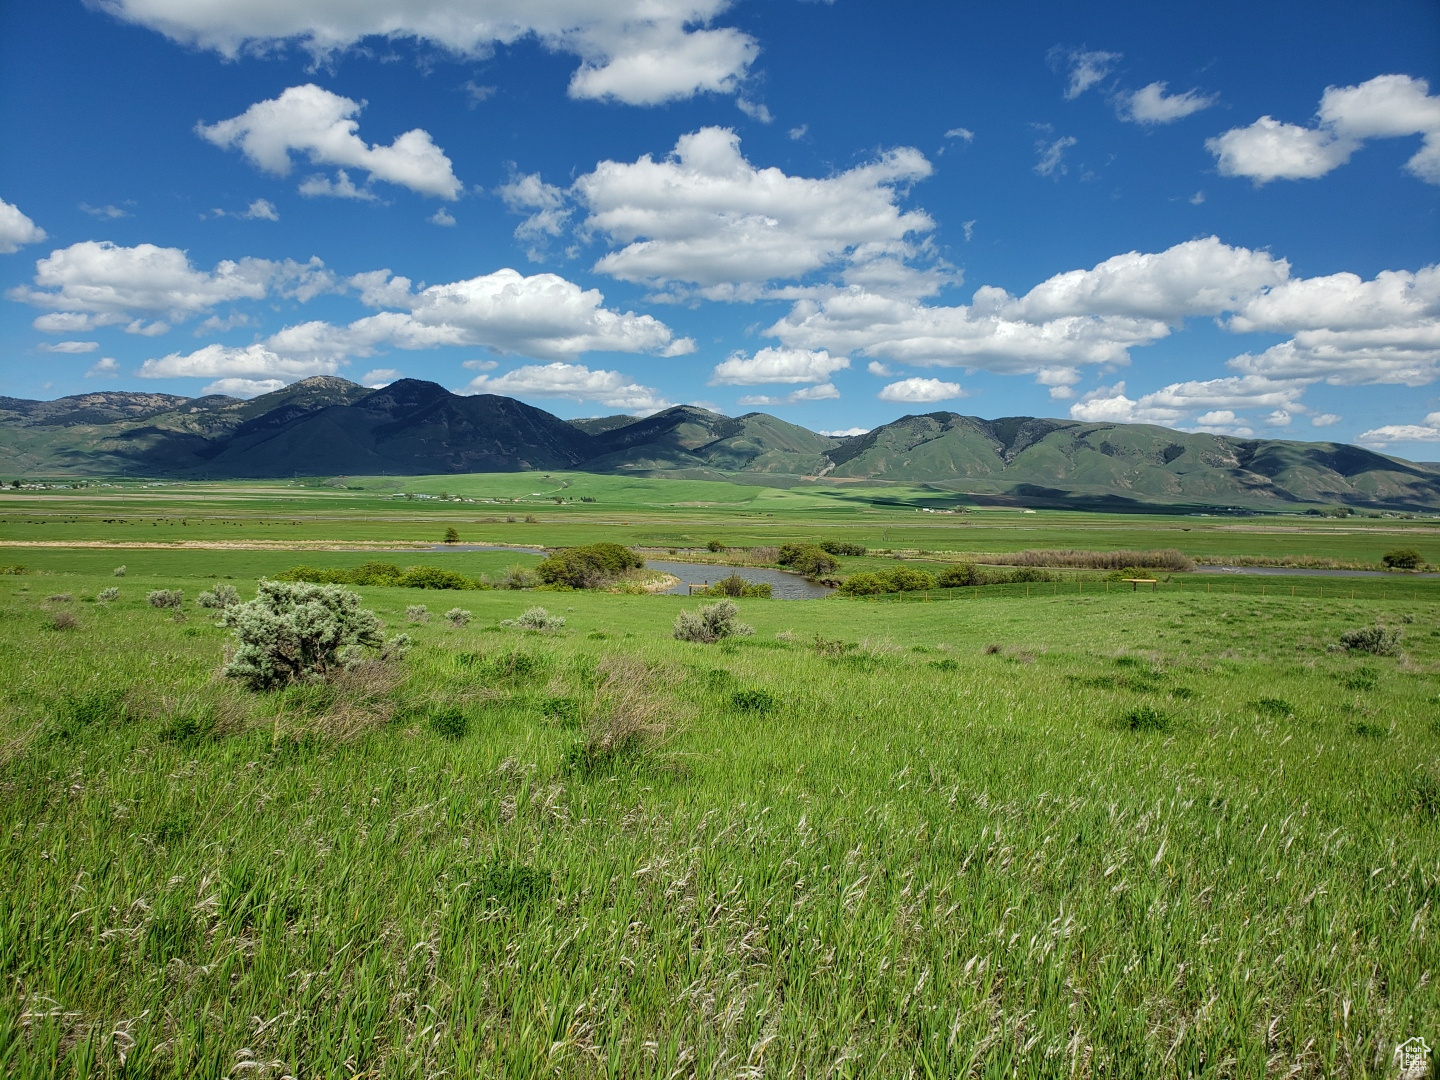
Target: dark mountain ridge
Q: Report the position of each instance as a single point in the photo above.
(328, 426)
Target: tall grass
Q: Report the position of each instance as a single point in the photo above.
(1162, 559)
(1146, 836)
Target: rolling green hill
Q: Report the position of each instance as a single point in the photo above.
(330, 426)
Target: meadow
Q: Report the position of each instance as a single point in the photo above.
(1029, 831)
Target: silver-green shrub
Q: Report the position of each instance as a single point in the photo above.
(1380, 640)
(457, 617)
(119, 571)
(711, 623)
(294, 630)
(166, 598)
(106, 595)
(220, 598)
(417, 613)
(536, 618)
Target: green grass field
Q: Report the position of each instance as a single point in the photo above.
(1097, 834)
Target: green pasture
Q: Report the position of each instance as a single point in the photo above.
(1116, 833)
(656, 513)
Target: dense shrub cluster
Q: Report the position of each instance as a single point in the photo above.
(386, 574)
(591, 567)
(912, 579)
(1380, 640)
(711, 623)
(296, 630)
(737, 587)
(166, 599)
(219, 598)
(1403, 559)
(808, 559)
(538, 619)
(841, 547)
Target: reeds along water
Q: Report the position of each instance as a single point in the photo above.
(1158, 559)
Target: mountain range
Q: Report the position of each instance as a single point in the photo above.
(329, 426)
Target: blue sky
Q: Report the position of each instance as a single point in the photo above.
(1220, 218)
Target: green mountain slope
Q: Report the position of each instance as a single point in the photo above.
(330, 426)
(1062, 462)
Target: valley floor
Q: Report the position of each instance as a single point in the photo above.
(1036, 831)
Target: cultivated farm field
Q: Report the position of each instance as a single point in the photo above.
(1028, 831)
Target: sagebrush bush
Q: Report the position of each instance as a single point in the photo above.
(1380, 640)
(457, 617)
(536, 618)
(119, 571)
(417, 613)
(64, 620)
(106, 595)
(711, 623)
(219, 598)
(171, 599)
(293, 631)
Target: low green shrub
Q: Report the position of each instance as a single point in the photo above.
(961, 575)
(1145, 718)
(737, 587)
(1380, 640)
(449, 722)
(756, 701)
(383, 574)
(219, 598)
(514, 886)
(711, 623)
(458, 618)
(107, 595)
(842, 547)
(1272, 706)
(537, 619)
(166, 599)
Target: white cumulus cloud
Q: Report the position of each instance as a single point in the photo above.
(243, 388)
(704, 216)
(322, 126)
(105, 368)
(16, 230)
(846, 433)
(641, 52)
(379, 377)
(823, 392)
(1325, 419)
(1151, 105)
(1387, 106)
(575, 382)
(771, 365)
(97, 283)
(543, 316)
(916, 391)
(1429, 431)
